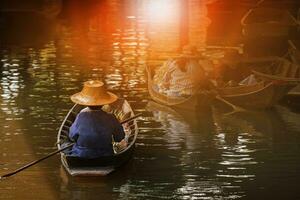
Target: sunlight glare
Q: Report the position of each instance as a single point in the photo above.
(161, 10)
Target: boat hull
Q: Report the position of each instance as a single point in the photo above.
(265, 97)
(190, 103)
(266, 31)
(95, 167)
(104, 165)
(270, 22)
(285, 71)
(276, 76)
(294, 54)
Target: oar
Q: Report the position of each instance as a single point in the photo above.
(53, 153)
(35, 162)
(131, 118)
(236, 108)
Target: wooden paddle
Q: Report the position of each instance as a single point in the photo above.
(53, 153)
(236, 108)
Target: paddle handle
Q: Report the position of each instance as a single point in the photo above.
(236, 108)
(36, 161)
(131, 118)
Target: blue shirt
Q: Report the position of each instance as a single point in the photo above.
(93, 130)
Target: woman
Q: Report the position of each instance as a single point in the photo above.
(186, 78)
(93, 128)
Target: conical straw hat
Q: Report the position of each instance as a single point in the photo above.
(93, 94)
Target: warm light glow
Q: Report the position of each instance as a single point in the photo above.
(161, 10)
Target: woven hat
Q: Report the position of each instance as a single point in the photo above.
(93, 94)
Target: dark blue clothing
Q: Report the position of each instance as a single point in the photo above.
(93, 130)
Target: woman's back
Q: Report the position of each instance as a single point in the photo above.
(93, 131)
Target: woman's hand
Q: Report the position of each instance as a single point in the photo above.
(122, 144)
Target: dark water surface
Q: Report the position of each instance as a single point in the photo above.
(202, 154)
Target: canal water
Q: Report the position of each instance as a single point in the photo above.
(199, 154)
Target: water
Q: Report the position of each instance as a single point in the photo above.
(180, 155)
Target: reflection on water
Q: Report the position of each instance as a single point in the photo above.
(183, 125)
(180, 155)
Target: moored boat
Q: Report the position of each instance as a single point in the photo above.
(101, 166)
(276, 68)
(186, 102)
(266, 31)
(294, 55)
(275, 78)
(261, 95)
(289, 5)
(294, 51)
(268, 22)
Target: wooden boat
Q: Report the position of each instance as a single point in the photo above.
(232, 11)
(276, 69)
(290, 5)
(268, 22)
(284, 71)
(276, 77)
(257, 96)
(266, 31)
(294, 56)
(189, 102)
(294, 51)
(101, 166)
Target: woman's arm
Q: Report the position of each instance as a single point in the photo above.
(74, 130)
